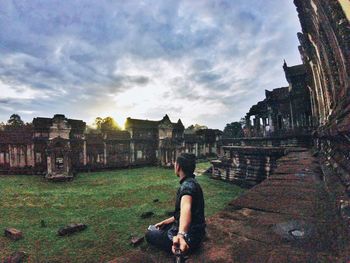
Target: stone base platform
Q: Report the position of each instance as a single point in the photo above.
(289, 217)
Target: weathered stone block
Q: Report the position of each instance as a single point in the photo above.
(17, 257)
(13, 233)
(70, 229)
(135, 240)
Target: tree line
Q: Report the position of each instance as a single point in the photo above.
(108, 124)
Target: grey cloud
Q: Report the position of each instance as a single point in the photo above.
(70, 50)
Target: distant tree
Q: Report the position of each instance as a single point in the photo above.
(109, 124)
(15, 121)
(103, 125)
(98, 122)
(233, 130)
(2, 126)
(91, 129)
(193, 128)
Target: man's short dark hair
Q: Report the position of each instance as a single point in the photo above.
(187, 162)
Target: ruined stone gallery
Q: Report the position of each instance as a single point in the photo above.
(59, 146)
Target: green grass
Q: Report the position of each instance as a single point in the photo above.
(110, 203)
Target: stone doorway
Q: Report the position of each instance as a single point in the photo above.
(59, 159)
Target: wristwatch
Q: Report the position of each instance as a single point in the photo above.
(183, 234)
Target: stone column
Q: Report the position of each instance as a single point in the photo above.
(66, 163)
(49, 166)
(132, 152)
(10, 156)
(291, 114)
(104, 153)
(14, 155)
(84, 153)
(22, 156)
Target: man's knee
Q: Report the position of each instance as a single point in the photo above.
(148, 236)
(152, 236)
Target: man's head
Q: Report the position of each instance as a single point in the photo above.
(185, 162)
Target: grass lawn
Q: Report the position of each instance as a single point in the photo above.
(110, 203)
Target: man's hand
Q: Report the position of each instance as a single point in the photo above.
(165, 222)
(160, 225)
(179, 241)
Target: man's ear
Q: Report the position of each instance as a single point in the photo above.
(177, 167)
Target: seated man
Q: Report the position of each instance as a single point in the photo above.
(186, 228)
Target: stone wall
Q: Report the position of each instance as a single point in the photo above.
(247, 165)
(59, 146)
(325, 50)
(286, 141)
(285, 111)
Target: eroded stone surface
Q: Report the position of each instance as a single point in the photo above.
(70, 229)
(13, 233)
(17, 257)
(136, 240)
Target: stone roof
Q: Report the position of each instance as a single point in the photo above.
(179, 125)
(149, 124)
(258, 109)
(18, 136)
(46, 123)
(209, 135)
(77, 124)
(40, 122)
(296, 70)
(137, 123)
(277, 94)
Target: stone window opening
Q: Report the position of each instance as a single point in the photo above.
(59, 162)
(280, 122)
(38, 157)
(100, 158)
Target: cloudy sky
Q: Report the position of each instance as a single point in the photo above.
(204, 61)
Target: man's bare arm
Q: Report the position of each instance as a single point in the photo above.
(185, 215)
(185, 221)
(165, 222)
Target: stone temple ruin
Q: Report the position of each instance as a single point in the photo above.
(58, 147)
(312, 111)
(296, 152)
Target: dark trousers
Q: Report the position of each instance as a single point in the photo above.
(159, 238)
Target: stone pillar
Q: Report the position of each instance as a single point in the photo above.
(66, 164)
(32, 154)
(267, 166)
(291, 114)
(132, 152)
(15, 156)
(22, 156)
(104, 153)
(49, 166)
(84, 153)
(10, 156)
